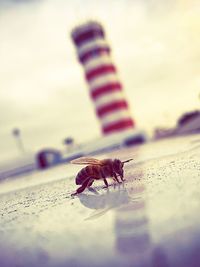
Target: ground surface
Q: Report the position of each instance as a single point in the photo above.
(150, 220)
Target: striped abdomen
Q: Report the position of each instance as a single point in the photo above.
(88, 171)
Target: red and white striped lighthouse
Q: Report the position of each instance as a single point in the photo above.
(105, 88)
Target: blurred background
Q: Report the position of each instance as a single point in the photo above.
(44, 97)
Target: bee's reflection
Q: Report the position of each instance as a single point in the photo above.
(101, 201)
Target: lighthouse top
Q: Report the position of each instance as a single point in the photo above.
(86, 31)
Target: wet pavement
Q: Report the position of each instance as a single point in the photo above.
(152, 219)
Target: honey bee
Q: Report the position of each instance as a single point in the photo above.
(96, 170)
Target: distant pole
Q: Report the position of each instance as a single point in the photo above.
(17, 136)
(68, 142)
(105, 88)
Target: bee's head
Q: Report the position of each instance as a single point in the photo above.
(118, 167)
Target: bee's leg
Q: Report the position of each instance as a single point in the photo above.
(122, 178)
(79, 190)
(90, 182)
(82, 188)
(105, 182)
(116, 179)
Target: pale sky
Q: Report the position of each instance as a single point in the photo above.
(155, 45)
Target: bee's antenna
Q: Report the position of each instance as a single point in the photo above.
(127, 160)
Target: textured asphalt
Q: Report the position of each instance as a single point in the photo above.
(152, 219)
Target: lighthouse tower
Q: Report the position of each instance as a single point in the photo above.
(105, 88)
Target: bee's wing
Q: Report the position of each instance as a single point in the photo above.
(86, 160)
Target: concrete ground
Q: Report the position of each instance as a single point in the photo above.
(152, 219)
